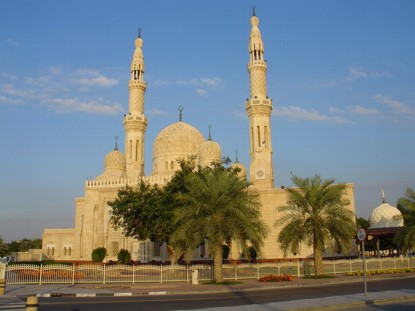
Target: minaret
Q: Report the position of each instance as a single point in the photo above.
(135, 122)
(259, 108)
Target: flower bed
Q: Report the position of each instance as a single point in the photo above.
(276, 278)
(375, 272)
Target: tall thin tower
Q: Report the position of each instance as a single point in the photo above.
(259, 108)
(135, 122)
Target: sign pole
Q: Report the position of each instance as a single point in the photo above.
(361, 236)
(364, 266)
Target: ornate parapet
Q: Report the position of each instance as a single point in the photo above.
(123, 182)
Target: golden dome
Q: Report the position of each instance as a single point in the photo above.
(241, 169)
(209, 151)
(114, 160)
(178, 140)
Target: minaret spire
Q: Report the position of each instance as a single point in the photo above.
(259, 108)
(135, 122)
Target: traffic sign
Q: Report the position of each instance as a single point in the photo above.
(361, 234)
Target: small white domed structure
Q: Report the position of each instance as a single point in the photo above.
(114, 165)
(177, 141)
(241, 169)
(239, 166)
(385, 216)
(209, 152)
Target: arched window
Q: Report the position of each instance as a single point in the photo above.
(266, 137)
(172, 165)
(69, 251)
(64, 251)
(136, 150)
(259, 136)
(130, 149)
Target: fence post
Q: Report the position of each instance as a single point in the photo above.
(187, 273)
(257, 271)
(161, 273)
(350, 265)
(334, 267)
(133, 273)
(73, 273)
(298, 268)
(104, 274)
(40, 274)
(278, 267)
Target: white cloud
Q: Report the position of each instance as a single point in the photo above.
(38, 81)
(201, 92)
(156, 112)
(355, 74)
(298, 113)
(209, 82)
(100, 81)
(51, 89)
(6, 100)
(55, 70)
(396, 106)
(8, 76)
(64, 105)
(357, 109)
(86, 72)
(206, 81)
(161, 82)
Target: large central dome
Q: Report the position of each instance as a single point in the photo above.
(178, 140)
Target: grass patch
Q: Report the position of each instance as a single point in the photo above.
(222, 283)
(323, 276)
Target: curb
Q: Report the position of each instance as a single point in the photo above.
(368, 302)
(59, 295)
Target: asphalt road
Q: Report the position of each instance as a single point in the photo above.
(215, 300)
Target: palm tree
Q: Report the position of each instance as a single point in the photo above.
(218, 208)
(405, 237)
(316, 213)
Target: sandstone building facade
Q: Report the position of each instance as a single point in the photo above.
(93, 228)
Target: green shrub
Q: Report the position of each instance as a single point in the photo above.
(225, 251)
(124, 256)
(98, 254)
(252, 254)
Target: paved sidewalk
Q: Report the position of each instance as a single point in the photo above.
(15, 295)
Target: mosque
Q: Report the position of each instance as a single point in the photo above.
(93, 227)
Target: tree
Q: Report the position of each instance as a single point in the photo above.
(362, 223)
(142, 213)
(98, 254)
(124, 256)
(405, 237)
(316, 213)
(3, 247)
(218, 207)
(146, 212)
(24, 245)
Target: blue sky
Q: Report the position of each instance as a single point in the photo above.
(341, 75)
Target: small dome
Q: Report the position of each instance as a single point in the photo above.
(114, 160)
(385, 216)
(209, 151)
(241, 168)
(114, 165)
(178, 140)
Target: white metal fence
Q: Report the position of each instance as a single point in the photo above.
(92, 273)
